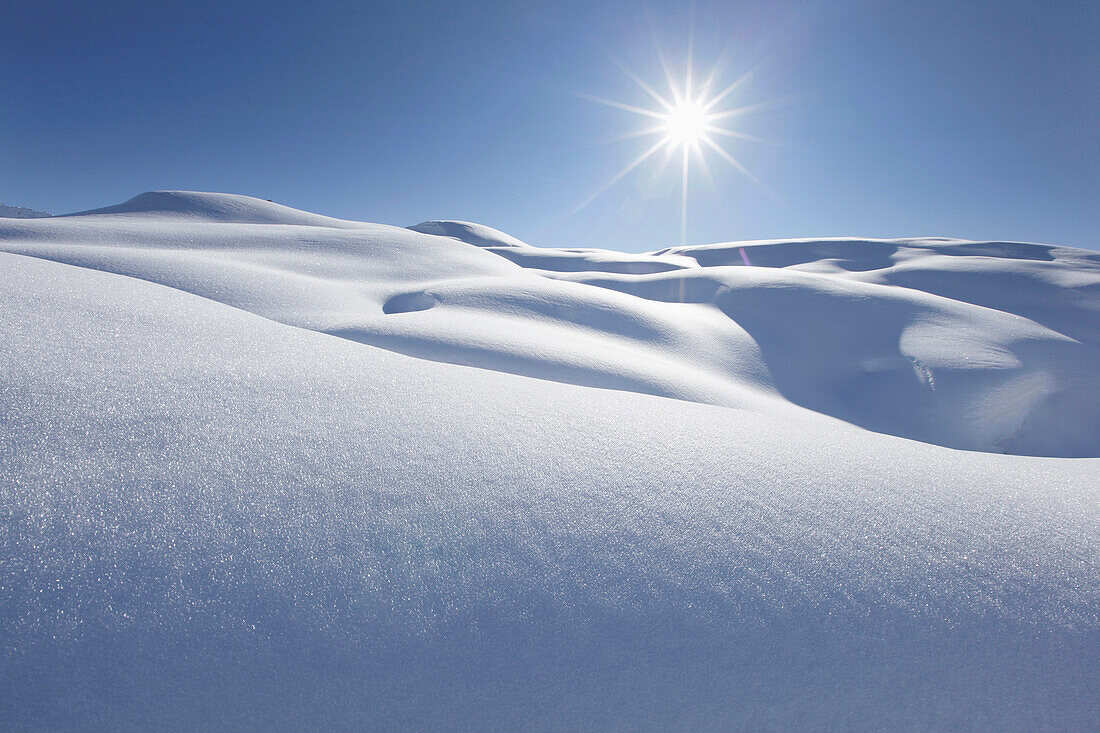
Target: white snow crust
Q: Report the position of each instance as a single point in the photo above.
(261, 468)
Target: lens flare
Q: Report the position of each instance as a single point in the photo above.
(685, 121)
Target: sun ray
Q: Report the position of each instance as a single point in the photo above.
(767, 104)
(676, 98)
(690, 61)
(741, 135)
(635, 133)
(729, 90)
(739, 166)
(641, 83)
(708, 82)
(712, 76)
(702, 161)
(684, 197)
(620, 105)
(618, 176)
(666, 159)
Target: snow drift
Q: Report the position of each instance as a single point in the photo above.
(264, 468)
(20, 212)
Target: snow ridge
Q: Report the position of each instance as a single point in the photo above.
(920, 338)
(20, 212)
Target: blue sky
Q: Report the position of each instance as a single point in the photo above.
(966, 119)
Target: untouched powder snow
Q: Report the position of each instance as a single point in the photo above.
(975, 345)
(261, 468)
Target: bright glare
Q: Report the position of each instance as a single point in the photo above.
(686, 123)
(685, 120)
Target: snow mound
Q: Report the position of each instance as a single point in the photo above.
(20, 212)
(214, 207)
(260, 471)
(987, 346)
(464, 231)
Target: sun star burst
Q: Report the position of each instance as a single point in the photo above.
(685, 122)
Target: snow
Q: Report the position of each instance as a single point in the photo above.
(20, 212)
(261, 468)
(464, 231)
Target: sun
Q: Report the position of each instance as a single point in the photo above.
(685, 121)
(686, 124)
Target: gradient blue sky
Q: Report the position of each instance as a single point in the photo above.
(939, 118)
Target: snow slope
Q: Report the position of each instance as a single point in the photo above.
(265, 469)
(20, 212)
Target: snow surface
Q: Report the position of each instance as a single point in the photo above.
(20, 212)
(262, 468)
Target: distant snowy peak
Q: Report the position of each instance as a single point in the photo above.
(464, 231)
(21, 212)
(216, 207)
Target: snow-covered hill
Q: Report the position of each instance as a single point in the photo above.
(262, 468)
(20, 212)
